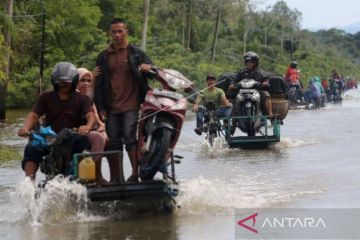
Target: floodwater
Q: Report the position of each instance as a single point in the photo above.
(316, 164)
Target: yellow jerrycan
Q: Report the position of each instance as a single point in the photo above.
(87, 170)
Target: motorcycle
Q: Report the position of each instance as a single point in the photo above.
(162, 117)
(335, 90)
(247, 107)
(295, 95)
(211, 124)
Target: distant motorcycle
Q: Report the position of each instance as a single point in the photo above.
(211, 125)
(295, 95)
(335, 90)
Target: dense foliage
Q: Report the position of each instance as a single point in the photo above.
(180, 36)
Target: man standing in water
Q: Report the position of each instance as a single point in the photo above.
(120, 89)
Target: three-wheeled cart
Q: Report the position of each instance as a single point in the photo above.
(158, 190)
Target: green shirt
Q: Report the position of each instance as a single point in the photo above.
(211, 95)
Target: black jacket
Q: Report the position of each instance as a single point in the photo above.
(258, 75)
(102, 93)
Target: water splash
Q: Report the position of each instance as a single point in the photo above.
(352, 93)
(201, 195)
(294, 143)
(61, 201)
(218, 148)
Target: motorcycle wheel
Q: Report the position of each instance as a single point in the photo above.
(212, 133)
(250, 124)
(157, 156)
(211, 137)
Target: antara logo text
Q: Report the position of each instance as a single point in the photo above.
(283, 222)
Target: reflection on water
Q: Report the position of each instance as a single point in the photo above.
(314, 165)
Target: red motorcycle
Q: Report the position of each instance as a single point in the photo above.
(162, 117)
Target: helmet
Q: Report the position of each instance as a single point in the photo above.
(315, 79)
(293, 64)
(64, 72)
(251, 56)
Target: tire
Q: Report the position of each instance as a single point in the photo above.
(157, 160)
(250, 124)
(212, 133)
(211, 138)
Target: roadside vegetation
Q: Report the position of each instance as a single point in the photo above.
(194, 37)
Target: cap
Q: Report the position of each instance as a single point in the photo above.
(210, 76)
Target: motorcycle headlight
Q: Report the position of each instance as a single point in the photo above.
(176, 80)
(255, 97)
(247, 83)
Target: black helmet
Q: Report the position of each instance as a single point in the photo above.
(64, 72)
(251, 56)
(293, 64)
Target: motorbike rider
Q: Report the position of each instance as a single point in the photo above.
(314, 91)
(317, 82)
(212, 93)
(253, 71)
(336, 82)
(121, 86)
(292, 78)
(63, 108)
(291, 75)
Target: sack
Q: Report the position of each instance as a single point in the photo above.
(61, 150)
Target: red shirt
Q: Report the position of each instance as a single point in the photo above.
(292, 75)
(324, 84)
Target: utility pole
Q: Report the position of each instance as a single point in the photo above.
(189, 23)
(3, 84)
(42, 52)
(216, 33)
(145, 25)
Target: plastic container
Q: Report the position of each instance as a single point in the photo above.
(87, 170)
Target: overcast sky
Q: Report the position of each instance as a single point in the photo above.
(323, 14)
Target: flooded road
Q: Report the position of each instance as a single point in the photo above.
(316, 164)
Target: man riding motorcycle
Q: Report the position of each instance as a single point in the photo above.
(212, 93)
(292, 79)
(253, 71)
(63, 108)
